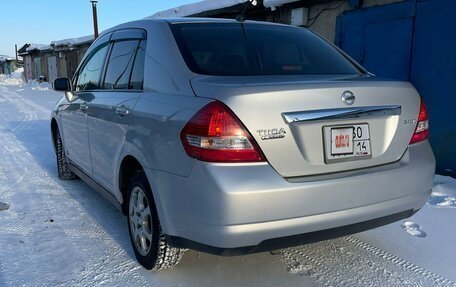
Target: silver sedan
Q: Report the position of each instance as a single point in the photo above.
(238, 137)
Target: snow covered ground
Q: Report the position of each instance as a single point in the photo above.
(56, 232)
(13, 79)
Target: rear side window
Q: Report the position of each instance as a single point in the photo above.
(90, 75)
(137, 75)
(120, 65)
(257, 49)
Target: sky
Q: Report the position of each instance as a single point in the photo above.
(44, 21)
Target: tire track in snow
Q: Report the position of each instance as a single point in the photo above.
(8, 141)
(348, 261)
(38, 200)
(401, 262)
(26, 115)
(24, 227)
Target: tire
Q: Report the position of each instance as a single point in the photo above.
(63, 168)
(147, 238)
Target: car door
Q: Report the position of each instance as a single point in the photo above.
(74, 114)
(109, 111)
(74, 129)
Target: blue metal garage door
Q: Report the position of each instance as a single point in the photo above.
(413, 41)
(380, 38)
(433, 72)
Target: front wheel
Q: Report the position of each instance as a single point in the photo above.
(63, 168)
(147, 237)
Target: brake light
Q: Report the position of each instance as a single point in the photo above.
(215, 134)
(422, 127)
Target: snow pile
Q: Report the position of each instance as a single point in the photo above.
(414, 229)
(17, 74)
(196, 8)
(443, 193)
(72, 41)
(14, 79)
(37, 86)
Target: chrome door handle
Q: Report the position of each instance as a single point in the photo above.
(83, 107)
(122, 110)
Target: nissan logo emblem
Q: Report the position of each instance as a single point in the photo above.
(348, 98)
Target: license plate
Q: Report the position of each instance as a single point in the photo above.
(345, 143)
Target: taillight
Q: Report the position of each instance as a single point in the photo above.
(215, 134)
(422, 127)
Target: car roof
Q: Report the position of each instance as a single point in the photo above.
(142, 22)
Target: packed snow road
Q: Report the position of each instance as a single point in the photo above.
(55, 232)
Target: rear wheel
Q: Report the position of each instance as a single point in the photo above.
(63, 168)
(147, 237)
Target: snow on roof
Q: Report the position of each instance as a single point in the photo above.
(196, 8)
(39, 47)
(4, 58)
(275, 3)
(209, 5)
(73, 41)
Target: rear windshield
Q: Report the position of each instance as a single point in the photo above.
(232, 49)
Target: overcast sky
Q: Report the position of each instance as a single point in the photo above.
(43, 21)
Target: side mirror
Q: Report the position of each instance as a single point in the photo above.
(64, 85)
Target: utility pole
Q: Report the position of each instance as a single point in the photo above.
(95, 19)
(17, 59)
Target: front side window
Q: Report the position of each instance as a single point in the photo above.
(90, 74)
(120, 65)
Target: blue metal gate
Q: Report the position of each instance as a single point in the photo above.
(413, 41)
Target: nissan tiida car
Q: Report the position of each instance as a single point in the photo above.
(239, 137)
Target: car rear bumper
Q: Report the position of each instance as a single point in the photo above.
(292, 240)
(226, 206)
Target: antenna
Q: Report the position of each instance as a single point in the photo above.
(241, 16)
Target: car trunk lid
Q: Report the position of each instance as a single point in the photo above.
(296, 119)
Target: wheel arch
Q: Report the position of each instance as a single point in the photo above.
(128, 167)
